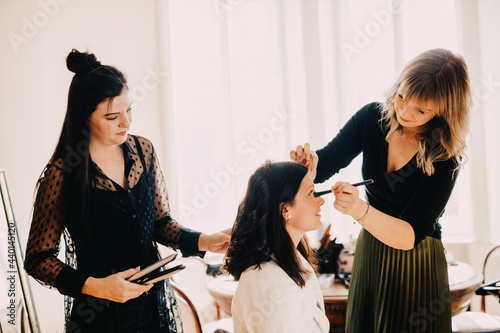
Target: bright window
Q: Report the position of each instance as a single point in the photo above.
(252, 79)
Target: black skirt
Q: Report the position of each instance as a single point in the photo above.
(90, 314)
(398, 291)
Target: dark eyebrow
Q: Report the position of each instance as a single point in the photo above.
(113, 113)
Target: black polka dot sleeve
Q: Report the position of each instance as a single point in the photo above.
(167, 231)
(43, 242)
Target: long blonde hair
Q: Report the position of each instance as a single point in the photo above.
(439, 76)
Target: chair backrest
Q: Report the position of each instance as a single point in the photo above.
(491, 273)
(190, 319)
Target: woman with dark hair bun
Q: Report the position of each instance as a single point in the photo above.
(277, 290)
(103, 189)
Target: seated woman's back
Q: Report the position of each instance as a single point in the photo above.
(268, 300)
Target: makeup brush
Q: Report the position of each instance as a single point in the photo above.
(365, 182)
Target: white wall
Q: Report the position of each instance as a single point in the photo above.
(35, 83)
(489, 27)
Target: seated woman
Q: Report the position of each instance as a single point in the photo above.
(278, 290)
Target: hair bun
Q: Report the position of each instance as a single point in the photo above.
(81, 62)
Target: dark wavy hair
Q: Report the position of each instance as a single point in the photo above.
(259, 232)
(92, 84)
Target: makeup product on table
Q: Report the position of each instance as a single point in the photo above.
(326, 237)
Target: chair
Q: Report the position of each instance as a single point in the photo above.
(482, 321)
(190, 319)
(491, 273)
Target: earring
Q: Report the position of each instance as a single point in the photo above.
(289, 216)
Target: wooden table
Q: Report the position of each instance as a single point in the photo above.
(464, 281)
(463, 278)
(222, 288)
(335, 298)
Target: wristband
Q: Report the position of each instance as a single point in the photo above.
(364, 215)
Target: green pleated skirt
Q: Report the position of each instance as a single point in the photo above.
(398, 291)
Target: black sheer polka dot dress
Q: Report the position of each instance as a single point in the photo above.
(126, 225)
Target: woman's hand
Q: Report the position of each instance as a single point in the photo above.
(115, 287)
(217, 243)
(306, 157)
(347, 200)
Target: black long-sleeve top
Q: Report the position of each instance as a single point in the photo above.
(407, 193)
(126, 223)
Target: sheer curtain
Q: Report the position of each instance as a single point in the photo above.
(251, 79)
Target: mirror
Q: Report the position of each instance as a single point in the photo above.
(17, 308)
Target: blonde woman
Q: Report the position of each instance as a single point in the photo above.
(413, 146)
